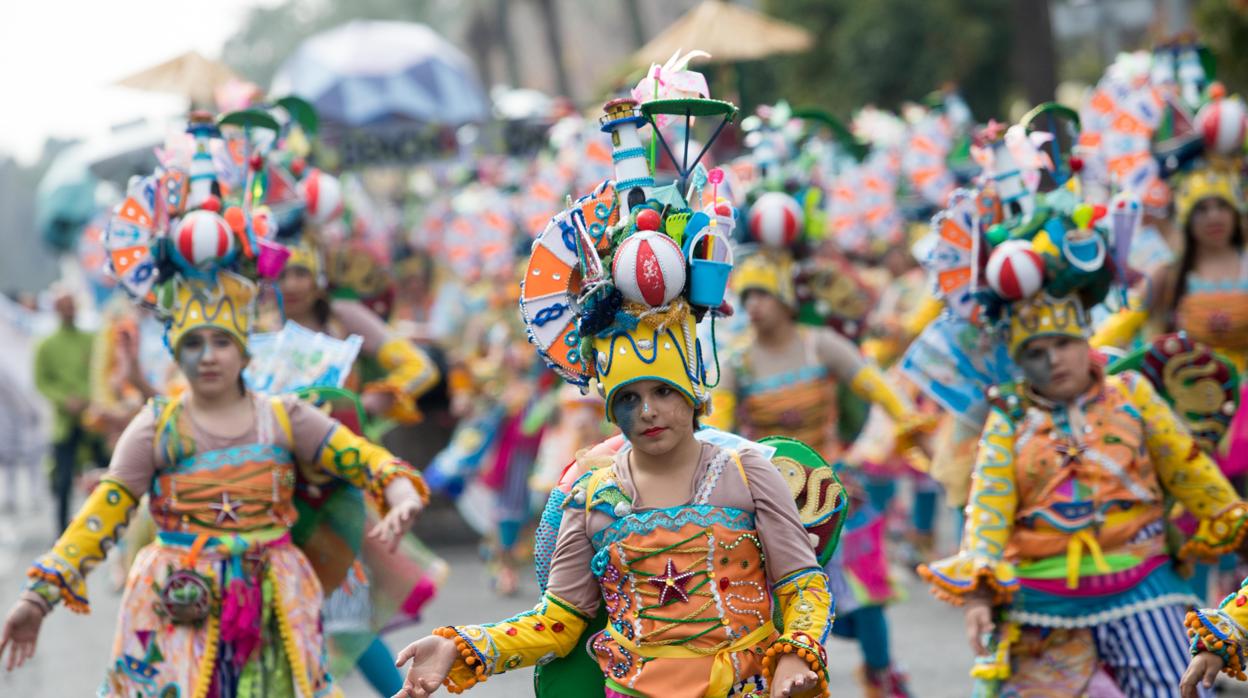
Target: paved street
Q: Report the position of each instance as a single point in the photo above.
(927, 636)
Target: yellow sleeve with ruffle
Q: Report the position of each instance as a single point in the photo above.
(807, 610)
(981, 564)
(869, 384)
(1222, 631)
(1119, 329)
(1189, 475)
(367, 465)
(534, 637)
(61, 574)
(410, 373)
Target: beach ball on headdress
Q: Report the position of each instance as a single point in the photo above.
(649, 268)
(1223, 124)
(775, 220)
(322, 196)
(1015, 270)
(203, 239)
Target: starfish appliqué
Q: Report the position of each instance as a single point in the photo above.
(226, 509)
(671, 583)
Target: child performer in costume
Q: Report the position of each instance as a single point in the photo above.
(222, 603)
(684, 543)
(1065, 566)
(783, 382)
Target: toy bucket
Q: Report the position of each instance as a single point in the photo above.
(272, 258)
(708, 278)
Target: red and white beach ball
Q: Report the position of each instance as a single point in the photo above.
(203, 238)
(322, 196)
(1015, 270)
(649, 268)
(775, 220)
(1223, 124)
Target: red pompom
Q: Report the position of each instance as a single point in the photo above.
(648, 219)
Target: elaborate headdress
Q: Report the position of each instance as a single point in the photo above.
(617, 282)
(188, 240)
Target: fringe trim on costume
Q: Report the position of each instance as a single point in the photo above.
(209, 660)
(806, 653)
(71, 600)
(293, 657)
(950, 593)
(1235, 518)
(470, 658)
(1204, 641)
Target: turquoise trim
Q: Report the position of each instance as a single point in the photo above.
(784, 380)
(626, 153)
(672, 518)
(1162, 582)
(233, 456)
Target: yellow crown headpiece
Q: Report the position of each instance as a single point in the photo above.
(1043, 315)
(1208, 183)
(768, 271)
(662, 347)
(226, 304)
(305, 254)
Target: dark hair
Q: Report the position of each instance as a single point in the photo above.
(321, 309)
(1188, 261)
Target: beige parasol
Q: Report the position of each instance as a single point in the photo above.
(191, 75)
(728, 32)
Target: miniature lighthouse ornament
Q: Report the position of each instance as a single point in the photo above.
(202, 128)
(632, 171)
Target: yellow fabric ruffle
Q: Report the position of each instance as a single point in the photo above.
(61, 574)
(954, 578)
(548, 631)
(410, 373)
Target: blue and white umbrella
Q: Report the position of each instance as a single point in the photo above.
(371, 72)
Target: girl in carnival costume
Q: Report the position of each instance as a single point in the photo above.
(684, 542)
(323, 292)
(222, 604)
(1065, 567)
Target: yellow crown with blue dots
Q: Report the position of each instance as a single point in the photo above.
(226, 303)
(1209, 183)
(766, 271)
(1043, 315)
(658, 348)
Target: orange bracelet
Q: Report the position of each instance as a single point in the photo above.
(804, 647)
(470, 658)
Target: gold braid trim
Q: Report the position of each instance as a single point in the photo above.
(297, 667)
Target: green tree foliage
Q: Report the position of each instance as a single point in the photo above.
(1223, 25)
(886, 52)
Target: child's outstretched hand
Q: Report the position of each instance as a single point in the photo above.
(431, 659)
(793, 677)
(1201, 671)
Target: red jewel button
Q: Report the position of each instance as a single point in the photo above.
(538, 626)
(1241, 600)
(557, 627)
(511, 631)
(723, 583)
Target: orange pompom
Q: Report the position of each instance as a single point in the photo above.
(238, 222)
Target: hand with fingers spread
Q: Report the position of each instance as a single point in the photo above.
(793, 677)
(21, 631)
(405, 504)
(979, 625)
(431, 658)
(1202, 671)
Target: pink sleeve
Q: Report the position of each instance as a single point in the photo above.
(356, 318)
(134, 459)
(309, 427)
(785, 542)
(570, 577)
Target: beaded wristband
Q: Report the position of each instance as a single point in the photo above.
(1205, 641)
(470, 657)
(806, 649)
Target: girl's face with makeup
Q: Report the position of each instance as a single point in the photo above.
(299, 291)
(654, 416)
(1058, 368)
(211, 361)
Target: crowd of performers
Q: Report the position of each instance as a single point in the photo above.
(715, 400)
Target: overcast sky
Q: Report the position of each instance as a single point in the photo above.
(59, 58)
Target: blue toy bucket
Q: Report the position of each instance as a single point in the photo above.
(708, 278)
